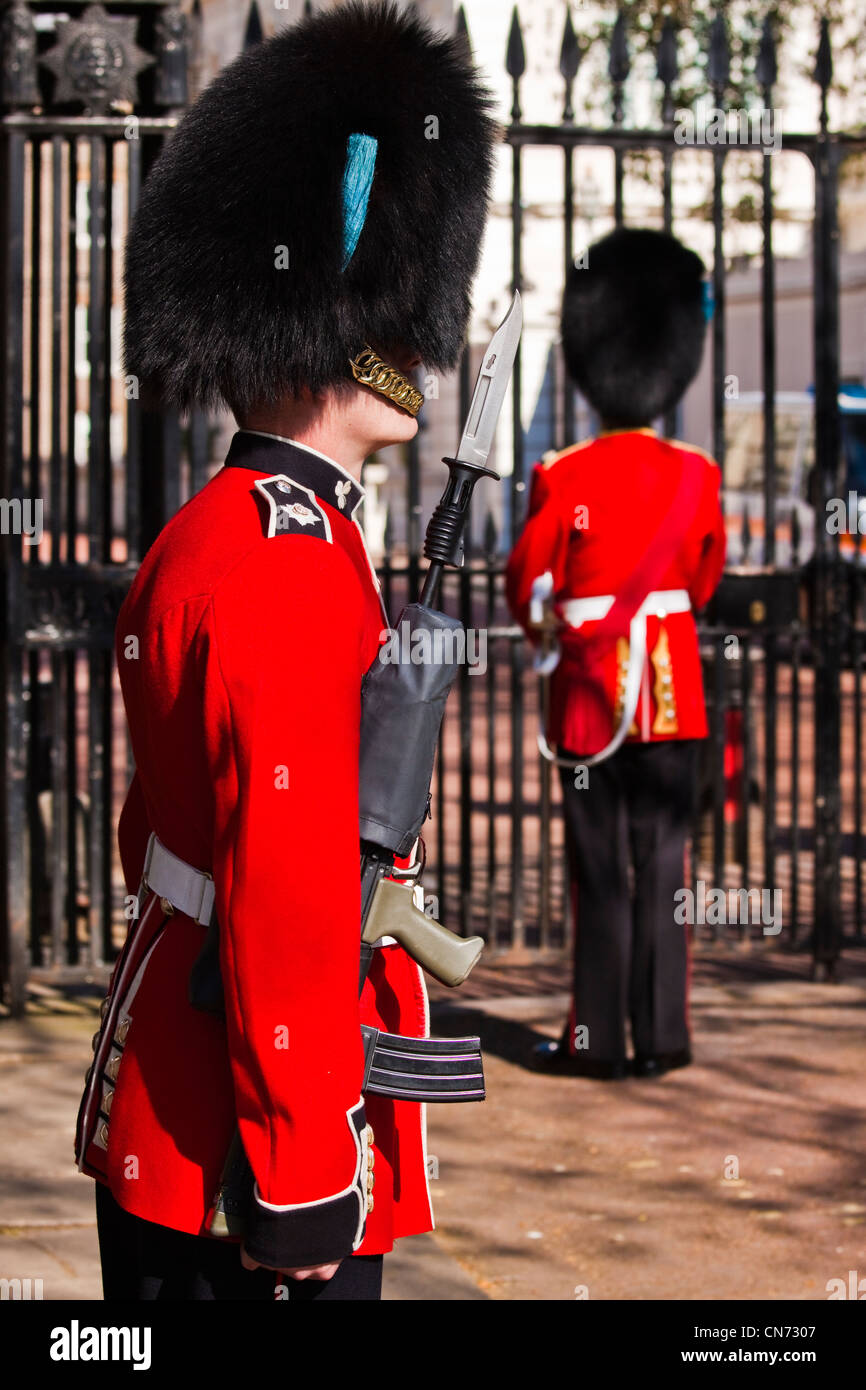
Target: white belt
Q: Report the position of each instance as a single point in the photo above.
(659, 603)
(187, 889)
(577, 611)
(192, 890)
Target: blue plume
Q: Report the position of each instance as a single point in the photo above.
(708, 300)
(361, 153)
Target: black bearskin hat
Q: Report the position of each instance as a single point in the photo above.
(242, 284)
(633, 325)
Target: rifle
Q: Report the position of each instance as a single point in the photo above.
(402, 706)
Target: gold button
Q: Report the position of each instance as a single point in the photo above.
(107, 1100)
(94, 1041)
(368, 1134)
(370, 1201)
(87, 1076)
(371, 1181)
(167, 907)
(757, 611)
(122, 1030)
(104, 1007)
(103, 1133)
(113, 1068)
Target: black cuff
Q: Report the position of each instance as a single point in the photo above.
(312, 1233)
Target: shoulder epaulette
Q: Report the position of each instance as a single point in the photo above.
(554, 455)
(293, 509)
(692, 449)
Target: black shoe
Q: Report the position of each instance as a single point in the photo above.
(554, 1058)
(662, 1062)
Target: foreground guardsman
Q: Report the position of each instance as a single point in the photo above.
(307, 237)
(624, 540)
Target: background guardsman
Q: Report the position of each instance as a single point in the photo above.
(625, 538)
(301, 220)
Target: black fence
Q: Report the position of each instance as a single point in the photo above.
(780, 806)
(781, 792)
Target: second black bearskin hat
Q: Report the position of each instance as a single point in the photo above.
(633, 324)
(237, 290)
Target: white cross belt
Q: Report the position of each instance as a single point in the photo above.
(577, 611)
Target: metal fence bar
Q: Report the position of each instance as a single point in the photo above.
(133, 409)
(14, 863)
(795, 787)
(515, 63)
(857, 668)
(492, 726)
(828, 616)
(97, 466)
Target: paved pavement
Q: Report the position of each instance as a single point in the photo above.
(740, 1177)
(47, 1225)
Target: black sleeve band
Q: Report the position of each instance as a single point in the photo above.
(312, 1233)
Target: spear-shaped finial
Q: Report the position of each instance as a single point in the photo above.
(824, 57)
(254, 32)
(767, 68)
(823, 73)
(569, 62)
(719, 62)
(667, 66)
(667, 62)
(515, 61)
(619, 64)
(461, 34)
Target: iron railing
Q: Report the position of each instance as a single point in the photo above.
(788, 706)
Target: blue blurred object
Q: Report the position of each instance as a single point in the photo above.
(709, 300)
(852, 413)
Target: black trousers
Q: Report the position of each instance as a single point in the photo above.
(630, 822)
(142, 1262)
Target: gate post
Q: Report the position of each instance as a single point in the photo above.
(17, 89)
(51, 602)
(828, 607)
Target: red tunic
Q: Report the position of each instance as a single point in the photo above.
(241, 655)
(592, 510)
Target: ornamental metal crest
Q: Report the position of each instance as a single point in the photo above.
(96, 60)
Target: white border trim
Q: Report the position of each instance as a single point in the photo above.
(423, 1104)
(261, 484)
(318, 454)
(118, 996)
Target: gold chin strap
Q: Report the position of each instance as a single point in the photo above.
(369, 369)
